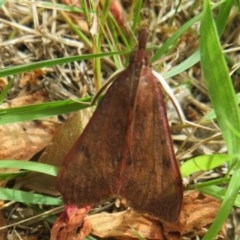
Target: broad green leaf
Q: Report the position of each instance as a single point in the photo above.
(203, 163)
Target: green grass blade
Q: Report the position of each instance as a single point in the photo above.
(203, 163)
(137, 234)
(13, 175)
(224, 101)
(43, 110)
(225, 8)
(222, 17)
(27, 197)
(89, 238)
(211, 115)
(137, 6)
(32, 166)
(175, 37)
(186, 64)
(77, 30)
(4, 93)
(237, 3)
(86, 10)
(2, 2)
(218, 81)
(48, 63)
(219, 193)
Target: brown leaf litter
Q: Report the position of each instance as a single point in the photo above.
(197, 213)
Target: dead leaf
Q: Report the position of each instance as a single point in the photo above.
(197, 213)
(23, 140)
(55, 152)
(67, 225)
(124, 225)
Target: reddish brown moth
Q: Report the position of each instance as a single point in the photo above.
(126, 148)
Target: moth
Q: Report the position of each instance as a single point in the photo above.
(126, 149)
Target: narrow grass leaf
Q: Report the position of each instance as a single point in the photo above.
(203, 163)
(86, 10)
(237, 2)
(113, 41)
(89, 238)
(137, 234)
(218, 81)
(77, 30)
(27, 197)
(136, 18)
(12, 175)
(219, 193)
(105, 12)
(217, 181)
(222, 17)
(4, 92)
(211, 115)
(186, 64)
(32, 166)
(223, 99)
(195, 57)
(48, 63)
(43, 110)
(175, 37)
(120, 33)
(2, 2)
